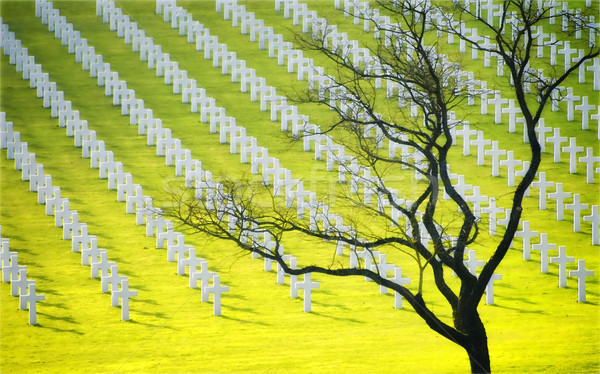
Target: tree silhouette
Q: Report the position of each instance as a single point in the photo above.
(425, 89)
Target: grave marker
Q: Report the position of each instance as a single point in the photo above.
(542, 184)
(203, 275)
(217, 290)
(124, 294)
(562, 260)
(307, 285)
(559, 195)
(594, 219)
(556, 140)
(572, 150)
(543, 246)
(526, 234)
(576, 206)
(31, 298)
(398, 279)
(495, 152)
(20, 283)
(12, 270)
(489, 289)
(589, 161)
(581, 274)
(472, 263)
(113, 279)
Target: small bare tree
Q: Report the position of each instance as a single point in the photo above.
(420, 80)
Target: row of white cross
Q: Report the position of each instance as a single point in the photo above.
(542, 184)
(575, 206)
(20, 286)
(100, 158)
(183, 15)
(495, 152)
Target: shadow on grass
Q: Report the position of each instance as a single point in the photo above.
(146, 301)
(161, 326)
(160, 315)
(55, 305)
(48, 291)
(42, 278)
(539, 311)
(353, 320)
(67, 319)
(231, 307)
(70, 331)
(243, 320)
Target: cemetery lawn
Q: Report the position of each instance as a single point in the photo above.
(534, 327)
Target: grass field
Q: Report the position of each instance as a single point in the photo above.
(534, 326)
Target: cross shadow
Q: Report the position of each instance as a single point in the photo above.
(353, 320)
(70, 331)
(243, 320)
(66, 319)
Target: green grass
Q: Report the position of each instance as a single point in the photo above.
(535, 326)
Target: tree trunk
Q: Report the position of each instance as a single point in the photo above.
(479, 356)
(477, 344)
(467, 321)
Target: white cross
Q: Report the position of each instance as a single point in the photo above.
(576, 206)
(19, 282)
(203, 275)
(307, 285)
(497, 101)
(594, 219)
(589, 161)
(556, 140)
(541, 130)
(32, 298)
(466, 133)
(180, 248)
(510, 164)
(585, 109)
(495, 152)
(383, 267)
(559, 196)
(113, 279)
(294, 278)
(539, 37)
(100, 263)
(562, 260)
(581, 274)
(596, 116)
(570, 98)
(542, 184)
(12, 269)
(402, 282)
(476, 198)
(489, 289)
(217, 290)
(526, 234)
(192, 261)
(480, 142)
(543, 246)
(572, 150)
(92, 251)
(124, 293)
(492, 210)
(472, 263)
(512, 112)
(280, 270)
(595, 69)
(567, 51)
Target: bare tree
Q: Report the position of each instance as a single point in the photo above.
(420, 78)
